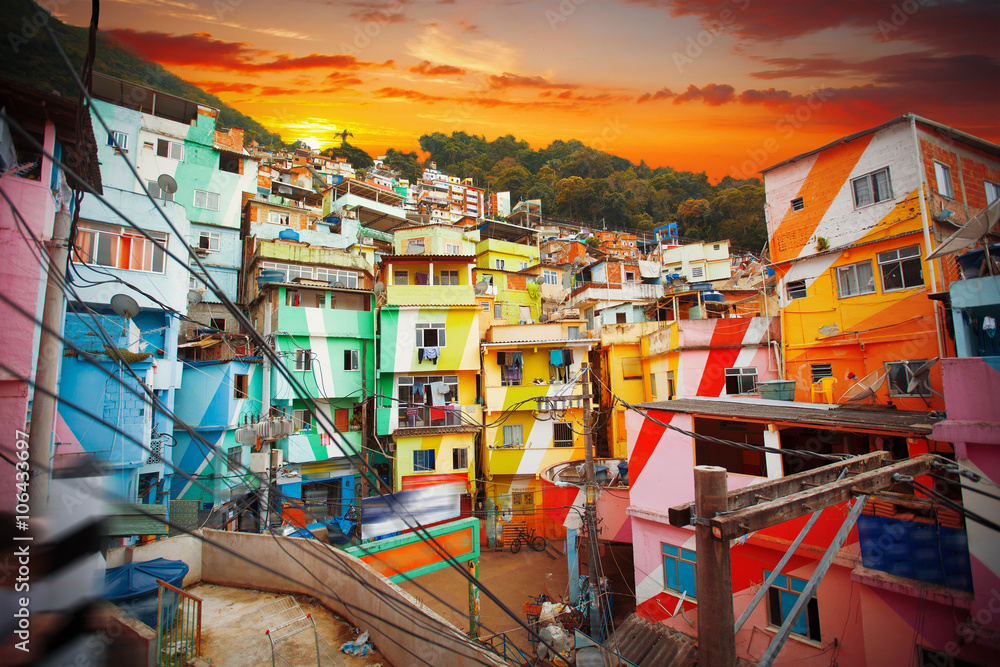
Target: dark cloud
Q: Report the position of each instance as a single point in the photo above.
(661, 94)
(427, 69)
(713, 94)
(508, 80)
(203, 50)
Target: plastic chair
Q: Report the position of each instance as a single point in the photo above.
(823, 387)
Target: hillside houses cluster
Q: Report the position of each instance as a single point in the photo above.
(446, 335)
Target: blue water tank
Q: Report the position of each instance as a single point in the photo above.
(269, 276)
(710, 295)
(289, 234)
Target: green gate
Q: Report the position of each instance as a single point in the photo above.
(178, 626)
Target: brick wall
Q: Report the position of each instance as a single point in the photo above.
(232, 140)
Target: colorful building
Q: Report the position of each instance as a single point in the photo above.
(618, 245)
(849, 227)
(701, 261)
(429, 358)
(522, 437)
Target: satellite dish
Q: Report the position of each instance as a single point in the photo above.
(194, 297)
(567, 279)
(919, 375)
(481, 287)
(124, 305)
(577, 261)
(167, 183)
(543, 317)
(865, 387)
(379, 287)
(340, 284)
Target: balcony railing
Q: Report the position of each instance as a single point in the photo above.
(444, 415)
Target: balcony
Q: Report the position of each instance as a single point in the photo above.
(590, 291)
(434, 416)
(435, 295)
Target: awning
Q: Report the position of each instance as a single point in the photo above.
(970, 233)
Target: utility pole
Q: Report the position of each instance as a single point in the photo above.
(714, 578)
(43, 405)
(265, 478)
(590, 510)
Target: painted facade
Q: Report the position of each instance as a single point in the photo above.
(849, 226)
(866, 610)
(697, 261)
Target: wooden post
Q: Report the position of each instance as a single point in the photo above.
(474, 599)
(714, 579)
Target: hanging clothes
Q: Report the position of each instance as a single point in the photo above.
(438, 391)
(556, 357)
(517, 361)
(502, 359)
(418, 390)
(421, 278)
(568, 356)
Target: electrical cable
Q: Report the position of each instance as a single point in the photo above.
(947, 502)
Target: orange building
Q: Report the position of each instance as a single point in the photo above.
(849, 226)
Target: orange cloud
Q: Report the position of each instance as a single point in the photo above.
(425, 68)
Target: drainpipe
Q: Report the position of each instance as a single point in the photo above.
(927, 232)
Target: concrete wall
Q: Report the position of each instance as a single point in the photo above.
(405, 631)
(187, 548)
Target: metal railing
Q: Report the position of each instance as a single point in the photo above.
(178, 626)
(423, 416)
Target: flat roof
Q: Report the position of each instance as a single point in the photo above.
(466, 259)
(367, 190)
(844, 417)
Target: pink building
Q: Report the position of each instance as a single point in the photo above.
(31, 197)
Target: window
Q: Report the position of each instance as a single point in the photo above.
(293, 298)
(679, 570)
(120, 248)
(550, 277)
(511, 368)
(278, 217)
(415, 247)
(446, 278)
(497, 311)
(423, 460)
(629, 277)
(992, 192)
(855, 279)
(452, 249)
(901, 269)
(118, 140)
(320, 299)
(348, 278)
(525, 313)
(302, 420)
(209, 200)
(170, 149)
(156, 193)
(942, 173)
(430, 334)
(498, 264)
(352, 360)
(303, 360)
(217, 323)
(697, 272)
(234, 459)
(573, 333)
(562, 435)
(716, 246)
(671, 388)
(484, 306)
(524, 265)
(512, 435)
(631, 368)
(240, 386)
(652, 385)
(796, 289)
(904, 382)
(819, 371)
(341, 419)
(209, 241)
(291, 271)
(871, 188)
(741, 380)
(621, 318)
(797, 205)
(400, 277)
(781, 597)
(460, 458)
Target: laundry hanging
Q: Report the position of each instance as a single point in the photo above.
(556, 357)
(431, 354)
(568, 357)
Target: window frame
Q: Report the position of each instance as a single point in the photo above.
(566, 428)
(942, 178)
(784, 584)
(113, 235)
(447, 274)
(673, 558)
(498, 264)
(241, 385)
(459, 458)
(170, 149)
(352, 360)
(993, 189)
(234, 459)
(797, 204)
(302, 419)
(885, 261)
(397, 274)
(158, 193)
(497, 311)
(905, 365)
(513, 429)
(550, 277)
(283, 218)
(852, 269)
(871, 182)
(119, 137)
(452, 248)
(793, 291)
(420, 335)
(207, 200)
(211, 236)
(697, 271)
(303, 360)
(740, 374)
(427, 464)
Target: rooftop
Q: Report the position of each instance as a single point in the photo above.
(874, 418)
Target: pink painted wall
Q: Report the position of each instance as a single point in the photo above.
(22, 282)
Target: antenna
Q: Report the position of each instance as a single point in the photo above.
(167, 183)
(194, 297)
(865, 387)
(919, 375)
(124, 305)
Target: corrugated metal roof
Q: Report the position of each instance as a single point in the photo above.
(866, 418)
(653, 644)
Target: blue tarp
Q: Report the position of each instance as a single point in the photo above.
(133, 587)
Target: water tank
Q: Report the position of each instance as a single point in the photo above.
(711, 295)
(288, 234)
(269, 276)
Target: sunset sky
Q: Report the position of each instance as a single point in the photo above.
(724, 86)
